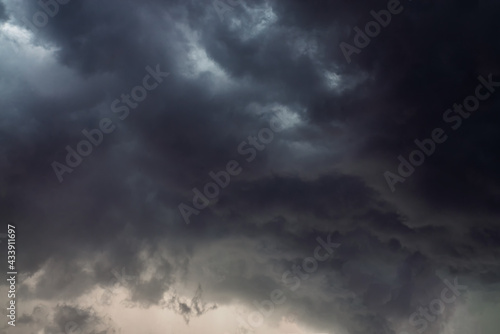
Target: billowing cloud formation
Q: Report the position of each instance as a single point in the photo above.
(100, 147)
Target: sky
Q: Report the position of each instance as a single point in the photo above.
(250, 166)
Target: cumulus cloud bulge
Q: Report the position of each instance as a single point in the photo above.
(250, 166)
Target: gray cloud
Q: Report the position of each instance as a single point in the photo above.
(346, 124)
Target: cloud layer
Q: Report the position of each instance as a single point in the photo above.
(343, 126)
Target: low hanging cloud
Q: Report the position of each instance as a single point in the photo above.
(100, 239)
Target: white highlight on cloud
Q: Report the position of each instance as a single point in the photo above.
(288, 117)
(195, 62)
(261, 19)
(15, 33)
(44, 75)
(333, 80)
(32, 281)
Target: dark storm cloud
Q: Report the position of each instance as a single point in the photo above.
(195, 308)
(321, 175)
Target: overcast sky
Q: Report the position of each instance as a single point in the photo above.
(251, 166)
